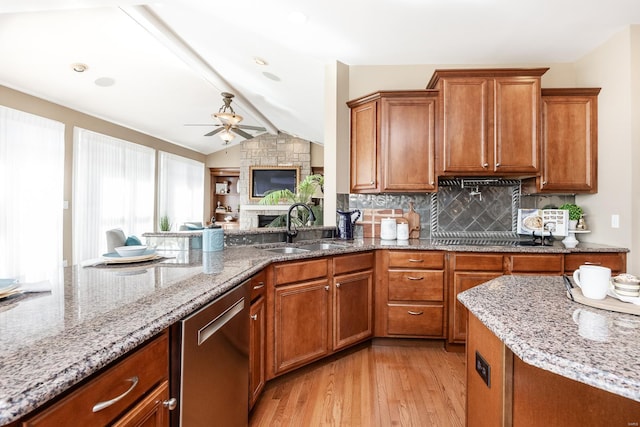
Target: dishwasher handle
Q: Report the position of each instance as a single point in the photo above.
(212, 327)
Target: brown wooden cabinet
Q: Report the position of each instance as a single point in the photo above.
(569, 141)
(488, 121)
(411, 298)
(616, 261)
(225, 199)
(393, 141)
(140, 379)
(257, 337)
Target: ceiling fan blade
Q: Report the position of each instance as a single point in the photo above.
(201, 124)
(242, 133)
(213, 132)
(250, 127)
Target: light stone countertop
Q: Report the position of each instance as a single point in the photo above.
(51, 341)
(534, 317)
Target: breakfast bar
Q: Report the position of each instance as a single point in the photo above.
(535, 357)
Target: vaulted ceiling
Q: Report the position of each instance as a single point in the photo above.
(156, 67)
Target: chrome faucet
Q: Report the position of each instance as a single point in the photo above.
(293, 233)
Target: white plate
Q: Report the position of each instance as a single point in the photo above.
(115, 258)
(633, 300)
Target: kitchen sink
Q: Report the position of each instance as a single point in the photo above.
(287, 250)
(321, 246)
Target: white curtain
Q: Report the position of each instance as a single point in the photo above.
(180, 189)
(113, 187)
(31, 196)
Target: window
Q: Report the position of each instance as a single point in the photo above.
(113, 187)
(31, 195)
(180, 189)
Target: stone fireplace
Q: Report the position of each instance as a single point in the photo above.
(269, 150)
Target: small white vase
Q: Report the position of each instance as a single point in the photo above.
(572, 224)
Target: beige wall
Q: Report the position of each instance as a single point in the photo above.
(230, 157)
(610, 67)
(71, 118)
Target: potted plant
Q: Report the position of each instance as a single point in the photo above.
(575, 213)
(305, 190)
(165, 223)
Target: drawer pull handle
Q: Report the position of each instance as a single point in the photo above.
(415, 313)
(414, 278)
(415, 260)
(102, 405)
(170, 404)
(261, 285)
(592, 263)
(254, 317)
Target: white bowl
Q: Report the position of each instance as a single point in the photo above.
(133, 250)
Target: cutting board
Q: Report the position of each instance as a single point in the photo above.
(413, 218)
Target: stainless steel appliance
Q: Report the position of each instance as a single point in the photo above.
(214, 362)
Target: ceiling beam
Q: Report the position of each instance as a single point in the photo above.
(148, 20)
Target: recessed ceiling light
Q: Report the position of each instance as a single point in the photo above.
(105, 82)
(79, 67)
(297, 17)
(260, 61)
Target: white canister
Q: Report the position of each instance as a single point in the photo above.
(402, 231)
(388, 229)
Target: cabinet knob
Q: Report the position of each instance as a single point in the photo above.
(544, 182)
(254, 317)
(326, 288)
(497, 165)
(170, 404)
(337, 285)
(371, 183)
(486, 165)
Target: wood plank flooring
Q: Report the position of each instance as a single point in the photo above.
(379, 384)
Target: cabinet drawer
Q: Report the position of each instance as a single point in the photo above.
(417, 259)
(291, 272)
(416, 285)
(150, 365)
(258, 282)
(416, 319)
(617, 262)
(537, 264)
(478, 262)
(350, 263)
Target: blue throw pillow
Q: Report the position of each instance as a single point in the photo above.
(192, 226)
(132, 241)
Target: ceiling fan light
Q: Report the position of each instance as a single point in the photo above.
(228, 118)
(226, 135)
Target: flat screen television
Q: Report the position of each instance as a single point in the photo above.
(263, 180)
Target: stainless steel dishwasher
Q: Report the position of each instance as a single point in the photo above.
(214, 362)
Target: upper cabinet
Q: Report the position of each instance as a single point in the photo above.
(393, 141)
(489, 121)
(569, 141)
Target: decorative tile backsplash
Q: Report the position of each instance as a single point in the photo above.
(473, 208)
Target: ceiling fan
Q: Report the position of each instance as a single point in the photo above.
(229, 122)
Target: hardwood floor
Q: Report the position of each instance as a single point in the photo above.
(379, 384)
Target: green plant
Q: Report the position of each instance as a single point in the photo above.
(575, 211)
(304, 192)
(165, 223)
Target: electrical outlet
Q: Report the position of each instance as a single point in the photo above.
(483, 369)
(615, 221)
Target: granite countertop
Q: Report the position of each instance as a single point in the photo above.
(534, 317)
(51, 341)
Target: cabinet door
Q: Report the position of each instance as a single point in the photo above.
(569, 142)
(517, 110)
(353, 308)
(465, 132)
(257, 350)
(364, 148)
(408, 143)
(458, 317)
(150, 412)
(301, 323)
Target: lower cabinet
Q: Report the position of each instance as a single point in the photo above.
(319, 306)
(133, 392)
(616, 261)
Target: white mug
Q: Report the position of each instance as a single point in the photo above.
(593, 280)
(591, 325)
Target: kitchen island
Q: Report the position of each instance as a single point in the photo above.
(534, 357)
(49, 342)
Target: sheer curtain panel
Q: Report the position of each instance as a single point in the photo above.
(113, 187)
(180, 189)
(31, 196)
